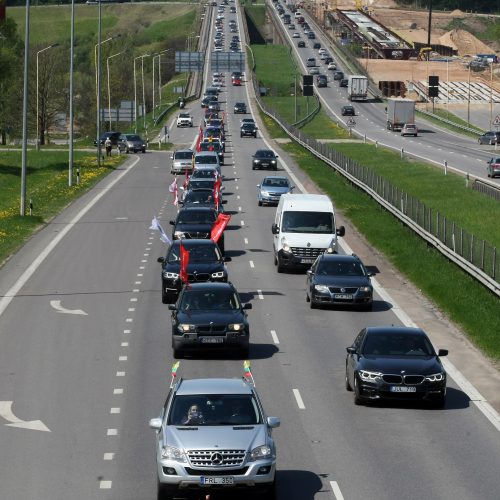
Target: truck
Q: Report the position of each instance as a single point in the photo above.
(357, 88)
(399, 112)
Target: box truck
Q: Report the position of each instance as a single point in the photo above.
(357, 88)
(399, 112)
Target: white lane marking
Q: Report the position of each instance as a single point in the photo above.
(108, 456)
(118, 390)
(138, 283)
(127, 331)
(105, 485)
(136, 290)
(237, 187)
(298, 398)
(260, 295)
(139, 275)
(146, 255)
(242, 222)
(129, 320)
(114, 410)
(22, 280)
(131, 309)
(142, 268)
(144, 260)
(122, 358)
(120, 374)
(252, 265)
(474, 395)
(56, 304)
(151, 238)
(275, 337)
(238, 196)
(246, 241)
(7, 414)
(124, 344)
(112, 432)
(239, 209)
(133, 299)
(336, 490)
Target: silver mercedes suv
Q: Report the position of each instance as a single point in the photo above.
(213, 434)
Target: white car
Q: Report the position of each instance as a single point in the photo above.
(332, 66)
(296, 35)
(322, 51)
(184, 120)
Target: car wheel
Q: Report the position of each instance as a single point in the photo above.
(165, 492)
(127, 151)
(347, 383)
(143, 150)
(357, 398)
(281, 268)
(178, 354)
(241, 135)
(260, 203)
(308, 299)
(253, 167)
(164, 295)
(313, 304)
(244, 352)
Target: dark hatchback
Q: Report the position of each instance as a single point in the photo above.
(397, 363)
(265, 158)
(339, 280)
(240, 107)
(248, 130)
(348, 110)
(195, 223)
(206, 263)
(208, 316)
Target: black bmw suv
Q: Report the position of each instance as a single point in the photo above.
(206, 263)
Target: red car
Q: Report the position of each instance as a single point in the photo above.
(237, 81)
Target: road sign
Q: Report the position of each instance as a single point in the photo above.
(227, 61)
(496, 121)
(189, 61)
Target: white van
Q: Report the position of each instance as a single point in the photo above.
(304, 227)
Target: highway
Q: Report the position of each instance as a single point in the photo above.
(433, 144)
(86, 356)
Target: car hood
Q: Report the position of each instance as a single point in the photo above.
(195, 267)
(191, 227)
(273, 189)
(205, 316)
(134, 143)
(218, 437)
(342, 281)
(424, 365)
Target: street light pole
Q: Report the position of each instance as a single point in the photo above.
(38, 96)
(72, 44)
(98, 88)
(143, 92)
(109, 90)
(468, 98)
(135, 91)
(158, 55)
(25, 110)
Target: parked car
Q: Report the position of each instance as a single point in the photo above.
(395, 362)
(265, 158)
(208, 316)
(248, 130)
(184, 120)
(131, 143)
(490, 138)
(206, 263)
(240, 107)
(339, 280)
(271, 188)
(409, 129)
(182, 161)
(348, 110)
(493, 167)
(113, 137)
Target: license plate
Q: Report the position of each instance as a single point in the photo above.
(306, 261)
(204, 480)
(344, 296)
(211, 340)
(399, 388)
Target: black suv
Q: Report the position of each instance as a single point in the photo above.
(113, 137)
(207, 316)
(206, 263)
(248, 130)
(240, 107)
(321, 81)
(265, 158)
(195, 223)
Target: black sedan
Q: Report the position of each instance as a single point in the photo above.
(206, 263)
(207, 316)
(348, 110)
(396, 363)
(265, 158)
(240, 107)
(248, 130)
(301, 44)
(339, 280)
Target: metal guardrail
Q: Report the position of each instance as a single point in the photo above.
(449, 122)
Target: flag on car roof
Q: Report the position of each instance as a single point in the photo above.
(219, 226)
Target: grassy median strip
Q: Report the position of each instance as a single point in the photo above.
(47, 187)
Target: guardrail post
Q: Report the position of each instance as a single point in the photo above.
(364, 139)
(494, 263)
(467, 180)
(483, 247)
(376, 144)
(445, 167)
(77, 176)
(402, 152)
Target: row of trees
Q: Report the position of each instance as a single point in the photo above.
(480, 6)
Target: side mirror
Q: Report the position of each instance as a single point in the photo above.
(351, 350)
(172, 222)
(273, 422)
(155, 423)
(340, 231)
(309, 272)
(292, 188)
(227, 259)
(258, 185)
(248, 305)
(161, 260)
(223, 188)
(171, 157)
(275, 229)
(443, 352)
(171, 307)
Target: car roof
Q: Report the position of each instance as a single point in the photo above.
(401, 330)
(206, 153)
(275, 177)
(264, 151)
(213, 386)
(189, 209)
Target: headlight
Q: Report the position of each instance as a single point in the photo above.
(273, 161)
(264, 193)
(179, 234)
(436, 377)
(263, 451)
(185, 328)
(369, 376)
(218, 274)
(321, 288)
(236, 327)
(171, 276)
(286, 248)
(171, 453)
(256, 161)
(366, 289)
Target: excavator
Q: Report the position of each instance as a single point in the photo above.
(424, 53)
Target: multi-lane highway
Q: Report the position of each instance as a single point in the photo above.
(436, 145)
(85, 355)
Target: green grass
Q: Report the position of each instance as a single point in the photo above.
(453, 118)
(46, 186)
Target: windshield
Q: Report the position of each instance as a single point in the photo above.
(327, 268)
(214, 409)
(133, 138)
(210, 146)
(183, 155)
(206, 159)
(397, 344)
(307, 222)
(221, 300)
(206, 173)
(197, 253)
(184, 115)
(264, 153)
(196, 217)
(202, 183)
(199, 197)
(282, 183)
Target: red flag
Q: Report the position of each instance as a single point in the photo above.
(216, 196)
(184, 257)
(219, 226)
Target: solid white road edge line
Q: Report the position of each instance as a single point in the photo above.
(298, 398)
(21, 281)
(336, 490)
